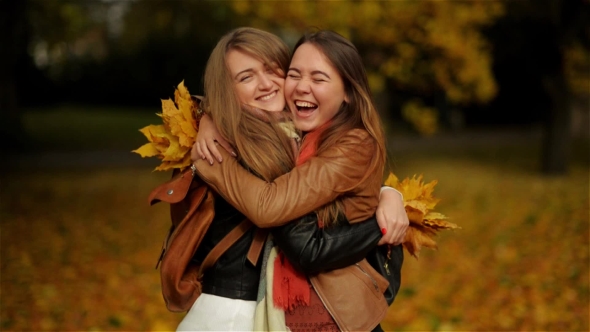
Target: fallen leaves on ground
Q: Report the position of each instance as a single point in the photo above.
(79, 250)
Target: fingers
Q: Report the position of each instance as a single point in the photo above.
(393, 226)
(383, 226)
(195, 152)
(205, 153)
(399, 233)
(224, 144)
(214, 151)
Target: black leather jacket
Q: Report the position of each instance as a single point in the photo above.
(312, 249)
(232, 276)
(308, 247)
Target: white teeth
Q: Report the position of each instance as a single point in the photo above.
(304, 104)
(267, 97)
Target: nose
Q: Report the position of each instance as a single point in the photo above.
(265, 82)
(302, 86)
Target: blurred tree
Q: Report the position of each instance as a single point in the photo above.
(431, 50)
(542, 52)
(13, 37)
(118, 52)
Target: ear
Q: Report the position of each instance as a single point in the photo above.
(346, 99)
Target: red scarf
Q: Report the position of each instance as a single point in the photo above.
(290, 287)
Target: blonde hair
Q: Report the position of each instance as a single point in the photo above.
(263, 148)
(358, 112)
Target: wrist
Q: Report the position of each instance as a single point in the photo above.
(390, 188)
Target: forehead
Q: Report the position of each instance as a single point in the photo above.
(238, 60)
(311, 57)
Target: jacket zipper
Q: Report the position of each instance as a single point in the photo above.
(325, 306)
(367, 274)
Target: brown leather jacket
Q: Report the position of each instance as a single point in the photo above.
(354, 294)
(336, 172)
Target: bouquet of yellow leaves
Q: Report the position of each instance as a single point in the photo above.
(419, 202)
(173, 140)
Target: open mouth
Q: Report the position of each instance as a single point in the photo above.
(305, 106)
(268, 96)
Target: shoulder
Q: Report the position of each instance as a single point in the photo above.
(353, 144)
(357, 136)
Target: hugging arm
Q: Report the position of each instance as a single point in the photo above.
(306, 188)
(312, 249)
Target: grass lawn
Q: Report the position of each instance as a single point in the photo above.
(76, 128)
(79, 247)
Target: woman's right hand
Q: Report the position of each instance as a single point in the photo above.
(392, 217)
(208, 137)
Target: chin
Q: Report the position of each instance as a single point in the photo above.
(302, 126)
(277, 108)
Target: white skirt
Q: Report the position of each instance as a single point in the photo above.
(216, 313)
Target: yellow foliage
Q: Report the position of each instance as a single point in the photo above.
(424, 119)
(419, 202)
(421, 46)
(172, 141)
(576, 67)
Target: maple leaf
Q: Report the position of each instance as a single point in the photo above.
(419, 202)
(173, 139)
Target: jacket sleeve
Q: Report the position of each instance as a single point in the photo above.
(312, 249)
(307, 187)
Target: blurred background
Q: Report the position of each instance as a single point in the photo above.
(490, 98)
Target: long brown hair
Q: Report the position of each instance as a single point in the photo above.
(358, 112)
(262, 146)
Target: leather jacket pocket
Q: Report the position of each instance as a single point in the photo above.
(353, 295)
(374, 280)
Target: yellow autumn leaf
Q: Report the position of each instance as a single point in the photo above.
(391, 180)
(435, 216)
(418, 237)
(415, 211)
(185, 103)
(147, 150)
(411, 188)
(440, 224)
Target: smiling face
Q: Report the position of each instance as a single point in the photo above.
(256, 84)
(314, 89)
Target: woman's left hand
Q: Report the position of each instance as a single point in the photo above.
(392, 217)
(208, 137)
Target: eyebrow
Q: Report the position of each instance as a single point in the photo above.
(243, 71)
(315, 72)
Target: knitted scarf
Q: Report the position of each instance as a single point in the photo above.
(290, 287)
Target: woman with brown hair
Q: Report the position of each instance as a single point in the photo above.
(247, 68)
(338, 174)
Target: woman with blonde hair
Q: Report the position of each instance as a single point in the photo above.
(243, 77)
(338, 174)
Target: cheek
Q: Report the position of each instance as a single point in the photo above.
(289, 87)
(244, 94)
(281, 83)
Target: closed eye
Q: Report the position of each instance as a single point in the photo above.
(244, 78)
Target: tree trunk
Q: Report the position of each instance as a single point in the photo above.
(557, 139)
